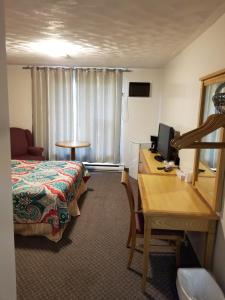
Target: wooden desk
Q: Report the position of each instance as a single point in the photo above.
(169, 203)
(148, 164)
(72, 145)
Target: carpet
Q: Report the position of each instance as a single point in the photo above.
(90, 261)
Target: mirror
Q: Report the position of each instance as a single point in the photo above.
(206, 179)
(209, 162)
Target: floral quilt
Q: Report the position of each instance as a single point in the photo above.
(42, 190)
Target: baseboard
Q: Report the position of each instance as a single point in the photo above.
(104, 167)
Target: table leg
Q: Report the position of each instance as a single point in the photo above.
(210, 245)
(73, 154)
(147, 238)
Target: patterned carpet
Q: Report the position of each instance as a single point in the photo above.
(90, 261)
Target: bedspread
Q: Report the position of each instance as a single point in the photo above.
(42, 190)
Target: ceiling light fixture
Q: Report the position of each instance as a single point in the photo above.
(56, 48)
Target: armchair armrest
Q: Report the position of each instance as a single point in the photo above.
(37, 151)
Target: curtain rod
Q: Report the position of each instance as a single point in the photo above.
(74, 68)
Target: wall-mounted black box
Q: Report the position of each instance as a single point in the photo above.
(139, 89)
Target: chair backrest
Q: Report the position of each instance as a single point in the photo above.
(19, 143)
(125, 181)
(29, 137)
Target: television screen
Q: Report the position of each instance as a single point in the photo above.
(165, 135)
(139, 89)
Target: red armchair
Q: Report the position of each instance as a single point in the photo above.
(22, 145)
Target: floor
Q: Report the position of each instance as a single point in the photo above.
(90, 261)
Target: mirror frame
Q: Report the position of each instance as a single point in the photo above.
(215, 202)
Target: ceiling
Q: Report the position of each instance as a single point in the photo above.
(113, 33)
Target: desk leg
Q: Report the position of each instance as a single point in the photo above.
(147, 238)
(210, 245)
(73, 154)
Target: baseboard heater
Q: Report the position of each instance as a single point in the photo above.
(104, 167)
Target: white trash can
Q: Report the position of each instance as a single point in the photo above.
(197, 284)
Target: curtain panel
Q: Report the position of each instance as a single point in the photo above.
(98, 113)
(53, 109)
(81, 104)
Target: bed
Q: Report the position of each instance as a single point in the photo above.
(45, 195)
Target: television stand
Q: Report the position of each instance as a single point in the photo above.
(158, 158)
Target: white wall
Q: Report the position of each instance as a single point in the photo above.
(20, 100)
(180, 103)
(7, 255)
(140, 116)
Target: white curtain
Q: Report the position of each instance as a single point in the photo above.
(98, 114)
(83, 105)
(53, 109)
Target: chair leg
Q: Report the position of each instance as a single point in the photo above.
(133, 244)
(178, 246)
(129, 236)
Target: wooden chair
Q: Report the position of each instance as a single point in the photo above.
(162, 241)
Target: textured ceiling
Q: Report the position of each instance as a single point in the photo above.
(129, 33)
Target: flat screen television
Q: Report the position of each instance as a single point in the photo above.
(139, 89)
(165, 135)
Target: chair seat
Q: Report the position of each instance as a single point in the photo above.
(156, 232)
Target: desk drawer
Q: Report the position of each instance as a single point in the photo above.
(179, 223)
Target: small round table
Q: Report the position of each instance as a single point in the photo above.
(72, 145)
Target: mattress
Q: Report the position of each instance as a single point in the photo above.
(43, 191)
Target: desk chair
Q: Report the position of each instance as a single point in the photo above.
(162, 241)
